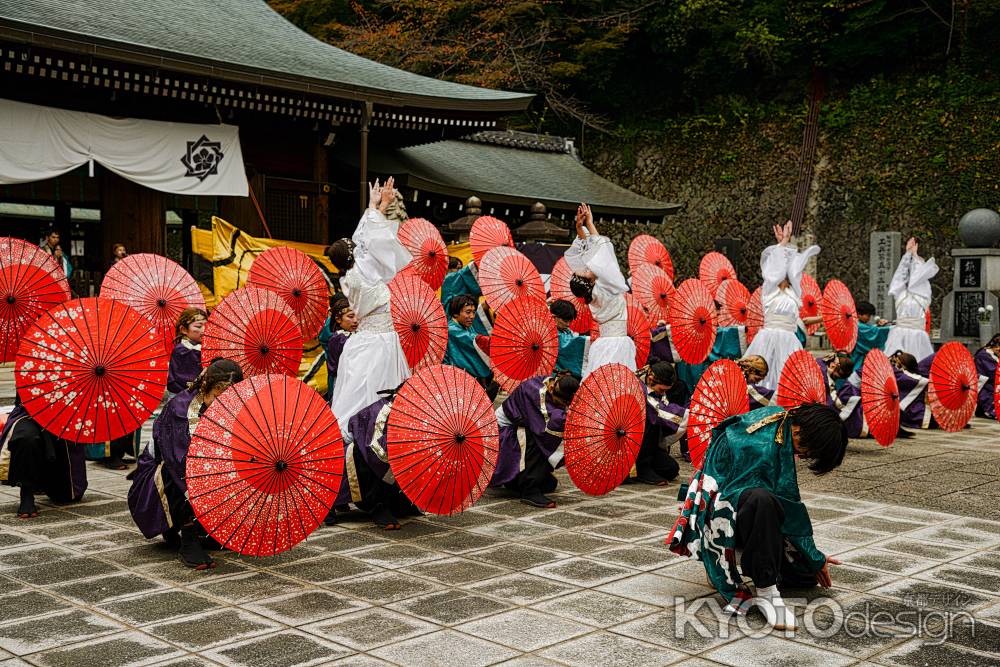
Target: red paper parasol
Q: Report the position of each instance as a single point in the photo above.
(604, 428)
(419, 320)
(714, 268)
(91, 370)
(524, 342)
(256, 329)
(734, 300)
(430, 254)
(755, 315)
(487, 233)
(506, 274)
(720, 393)
(812, 297)
(559, 287)
(293, 276)
(31, 282)
(801, 381)
(442, 439)
(692, 325)
(654, 289)
(265, 465)
(880, 397)
(954, 386)
(645, 249)
(157, 287)
(840, 319)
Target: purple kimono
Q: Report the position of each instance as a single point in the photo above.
(53, 465)
(847, 402)
(185, 365)
(666, 423)
(759, 396)
(366, 459)
(986, 365)
(913, 410)
(334, 348)
(529, 407)
(162, 465)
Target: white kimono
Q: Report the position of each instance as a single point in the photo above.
(911, 290)
(372, 360)
(608, 308)
(776, 341)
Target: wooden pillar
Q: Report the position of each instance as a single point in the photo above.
(131, 214)
(366, 117)
(321, 211)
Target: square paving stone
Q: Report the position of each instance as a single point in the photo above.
(924, 550)
(524, 629)
(987, 561)
(308, 607)
(858, 578)
(455, 571)
(915, 515)
(882, 524)
(980, 579)
(929, 595)
(417, 528)
(126, 649)
(510, 508)
(467, 519)
(394, 555)
(921, 653)
(282, 649)
(581, 572)
(359, 660)
(516, 556)
(300, 552)
(249, 587)
(457, 542)
(638, 557)
(840, 533)
(99, 509)
(8, 585)
(444, 649)
(33, 555)
(851, 639)
(573, 543)
(568, 520)
(887, 562)
(383, 588)
(450, 607)
(174, 572)
(8, 516)
(27, 604)
(99, 589)
(108, 540)
(73, 528)
(67, 569)
(8, 540)
(521, 588)
(774, 651)
(325, 568)
(654, 589)
(607, 509)
(515, 530)
(212, 629)
(693, 629)
(370, 628)
(60, 629)
(954, 534)
(976, 635)
(142, 554)
(341, 539)
(157, 607)
(822, 514)
(610, 650)
(627, 531)
(595, 608)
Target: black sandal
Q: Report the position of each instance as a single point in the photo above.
(115, 463)
(191, 553)
(27, 509)
(384, 519)
(539, 500)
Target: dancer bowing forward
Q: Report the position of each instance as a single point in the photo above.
(598, 280)
(372, 359)
(781, 266)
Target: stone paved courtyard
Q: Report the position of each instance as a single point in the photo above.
(589, 583)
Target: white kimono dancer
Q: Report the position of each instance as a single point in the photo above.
(911, 290)
(372, 360)
(776, 341)
(608, 308)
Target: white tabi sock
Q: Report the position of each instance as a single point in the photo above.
(778, 615)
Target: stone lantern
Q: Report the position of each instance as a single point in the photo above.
(976, 282)
(459, 229)
(538, 227)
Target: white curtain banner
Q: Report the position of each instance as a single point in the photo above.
(38, 142)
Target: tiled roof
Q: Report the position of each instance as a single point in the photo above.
(237, 38)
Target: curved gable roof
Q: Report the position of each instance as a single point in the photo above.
(236, 37)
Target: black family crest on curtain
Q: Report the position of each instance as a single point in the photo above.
(203, 158)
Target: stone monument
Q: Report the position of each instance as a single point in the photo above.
(884, 255)
(976, 281)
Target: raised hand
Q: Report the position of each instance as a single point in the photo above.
(778, 233)
(911, 246)
(374, 194)
(387, 194)
(786, 232)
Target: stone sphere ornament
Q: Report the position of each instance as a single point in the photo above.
(979, 228)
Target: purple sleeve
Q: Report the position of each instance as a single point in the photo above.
(185, 365)
(334, 348)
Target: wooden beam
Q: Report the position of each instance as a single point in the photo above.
(131, 214)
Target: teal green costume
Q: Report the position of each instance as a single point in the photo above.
(752, 450)
(463, 281)
(462, 351)
(727, 346)
(870, 337)
(571, 349)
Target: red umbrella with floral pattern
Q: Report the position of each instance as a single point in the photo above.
(720, 393)
(296, 278)
(880, 398)
(654, 289)
(486, 234)
(954, 386)
(692, 321)
(419, 320)
(265, 465)
(734, 301)
(559, 288)
(91, 370)
(31, 282)
(505, 275)
(840, 318)
(256, 329)
(430, 254)
(715, 268)
(645, 249)
(812, 297)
